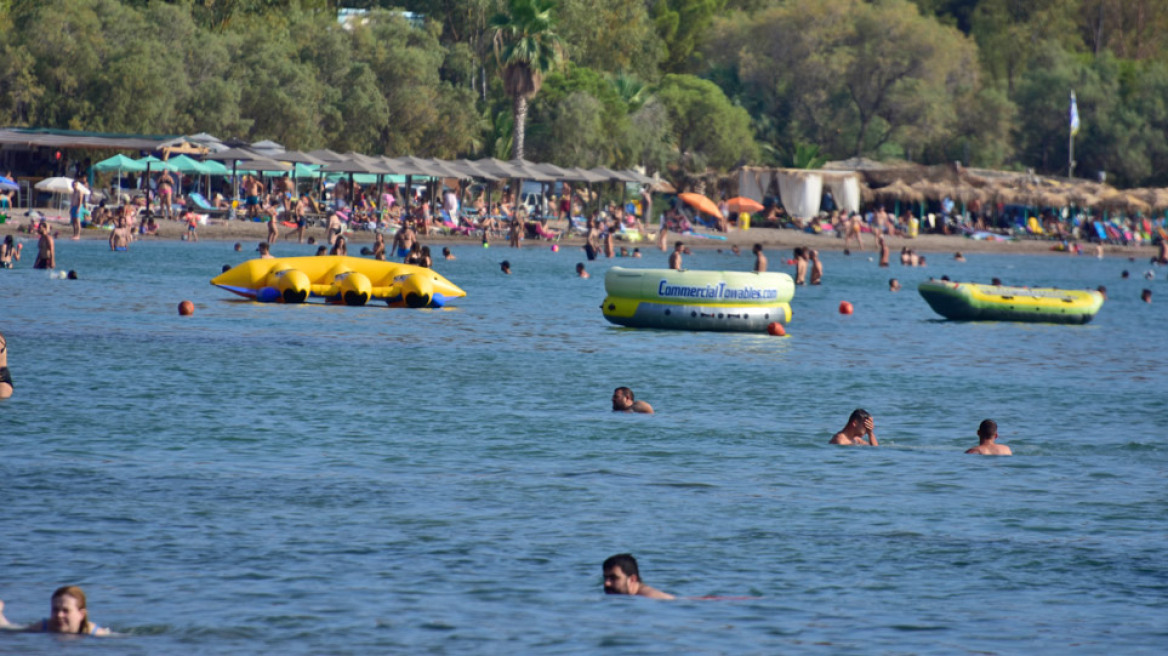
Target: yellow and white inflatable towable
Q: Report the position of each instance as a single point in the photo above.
(727, 301)
(338, 279)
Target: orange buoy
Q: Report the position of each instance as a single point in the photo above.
(775, 328)
(186, 309)
(845, 307)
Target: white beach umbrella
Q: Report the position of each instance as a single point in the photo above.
(56, 185)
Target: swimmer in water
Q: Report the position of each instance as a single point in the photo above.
(1146, 296)
(893, 285)
(5, 377)
(505, 266)
(622, 577)
(68, 614)
(580, 272)
(623, 401)
(859, 431)
(987, 436)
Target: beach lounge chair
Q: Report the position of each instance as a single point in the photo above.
(201, 203)
(1100, 232)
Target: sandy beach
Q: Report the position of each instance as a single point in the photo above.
(771, 238)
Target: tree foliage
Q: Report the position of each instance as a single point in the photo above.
(665, 84)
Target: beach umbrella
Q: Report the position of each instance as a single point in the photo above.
(700, 203)
(741, 204)
(56, 185)
(898, 190)
(185, 164)
(119, 163)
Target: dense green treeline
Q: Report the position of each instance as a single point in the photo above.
(668, 84)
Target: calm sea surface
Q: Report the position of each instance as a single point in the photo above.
(331, 480)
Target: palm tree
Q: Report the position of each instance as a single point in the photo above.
(527, 48)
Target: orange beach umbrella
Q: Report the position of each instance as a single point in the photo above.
(701, 204)
(742, 204)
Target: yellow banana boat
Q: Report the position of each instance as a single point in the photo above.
(338, 279)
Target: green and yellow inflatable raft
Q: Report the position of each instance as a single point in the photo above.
(727, 301)
(964, 301)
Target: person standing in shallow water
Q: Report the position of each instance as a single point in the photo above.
(5, 376)
(987, 441)
(675, 257)
(760, 261)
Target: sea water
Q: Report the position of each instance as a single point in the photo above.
(333, 480)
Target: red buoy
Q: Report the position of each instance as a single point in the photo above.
(186, 309)
(775, 328)
(845, 307)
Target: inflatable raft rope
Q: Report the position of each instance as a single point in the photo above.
(338, 279)
(963, 301)
(726, 301)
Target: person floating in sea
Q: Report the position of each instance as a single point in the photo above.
(859, 431)
(958, 257)
(505, 267)
(675, 256)
(68, 614)
(580, 272)
(265, 251)
(623, 401)
(987, 437)
(893, 285)
(760, 261)
(447, 254)
(1146, 296)
(622, 577)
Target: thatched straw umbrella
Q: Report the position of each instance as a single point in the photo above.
(1122, 202)
(1052, 199)
(898, 190)
(1081, 197)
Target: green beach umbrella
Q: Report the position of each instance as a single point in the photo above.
(119, 163)
(186, 164)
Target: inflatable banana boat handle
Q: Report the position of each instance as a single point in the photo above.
(964, 301)
(338, 279)
(725, 301)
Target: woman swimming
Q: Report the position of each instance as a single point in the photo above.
(68, 615)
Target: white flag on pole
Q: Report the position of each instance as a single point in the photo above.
(1074, 115)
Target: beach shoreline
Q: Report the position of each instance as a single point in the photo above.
(249, 233)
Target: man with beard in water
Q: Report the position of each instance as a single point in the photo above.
(622, 401)
(622, 577)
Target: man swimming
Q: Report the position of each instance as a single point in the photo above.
(623, 401)
(622, 577)
(987, 436)
(860, 424)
